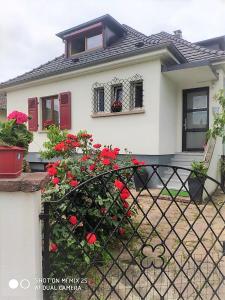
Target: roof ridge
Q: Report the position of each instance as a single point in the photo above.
(193, 45)
(136, 32)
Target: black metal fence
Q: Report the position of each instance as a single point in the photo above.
(108, 240)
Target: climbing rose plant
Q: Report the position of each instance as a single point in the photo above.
(79, 158)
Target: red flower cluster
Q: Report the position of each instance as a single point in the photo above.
(61, 147)
(18, 116)
(48, 123)
(73, 220)
(86, 135)
(53, 247)
(137, 162)
(97, 146)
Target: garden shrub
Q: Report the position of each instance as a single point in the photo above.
(85, 220)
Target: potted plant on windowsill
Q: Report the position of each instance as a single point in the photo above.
(196, 180)
(47, 123)
(116, 106)
(14, 143)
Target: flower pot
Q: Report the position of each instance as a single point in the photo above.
(196, 185)
(116, 106)
(11, 161)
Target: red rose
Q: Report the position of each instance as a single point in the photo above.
(103, 210)
(116, 167)
(52, 171)
(124, 194)
(71, 136)
(53, 247)
(69, 174)
(73, 220)
(125, 204)
(96, 146)
(76, 144)
(129, 213)
(55, 180)
(91, 238)
(91, 167)
(85, 157)
(106, 162)
(121, 231)
(135, 161)
(118, 184)
(73, 183)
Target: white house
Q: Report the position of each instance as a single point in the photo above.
(150, 94)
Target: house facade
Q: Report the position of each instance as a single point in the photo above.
(150, 94)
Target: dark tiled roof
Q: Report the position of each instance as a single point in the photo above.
(125, 46)
(190, 51)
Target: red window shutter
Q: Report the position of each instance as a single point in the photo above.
(65, 110)
(33, 114)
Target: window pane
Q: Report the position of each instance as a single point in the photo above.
(56, 112)
(138, 94)
(195, 140)
(3, 109)
(118, 93)
(77, 45)
(197, 100)
(48, 109)
(94, 41)
(197, 119)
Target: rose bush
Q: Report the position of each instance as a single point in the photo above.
(77, 159)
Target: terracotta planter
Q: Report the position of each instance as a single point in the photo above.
(11, 161)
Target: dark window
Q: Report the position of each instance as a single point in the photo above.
(50, 111)
(77, 45)
(99, 100)
(118, 93)
(137, 94)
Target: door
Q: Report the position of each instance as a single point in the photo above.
(195, 118)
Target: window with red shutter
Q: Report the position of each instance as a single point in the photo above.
(33, 114)
(65, 110)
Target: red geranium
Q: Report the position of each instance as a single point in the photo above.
(18, 116)
(91, 238)
(116, 167)
(73, 220)
(71, 136)
(69, 174)
(61, 147)
(92, 167)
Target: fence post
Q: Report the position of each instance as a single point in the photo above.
(20, 237)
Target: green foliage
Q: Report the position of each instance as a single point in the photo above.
(13, 134)
(200, 169)
(218, 127)
(54, 136)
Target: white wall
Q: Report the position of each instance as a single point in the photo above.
(20, 250)
(167, 116)
(137, 132)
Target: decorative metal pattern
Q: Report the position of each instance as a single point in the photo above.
(124, 94)
(173, 247)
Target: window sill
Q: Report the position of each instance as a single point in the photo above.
(111, 114)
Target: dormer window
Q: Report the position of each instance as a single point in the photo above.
(99, 33)
(85, 40)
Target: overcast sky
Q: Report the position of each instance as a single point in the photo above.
(28, 27)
